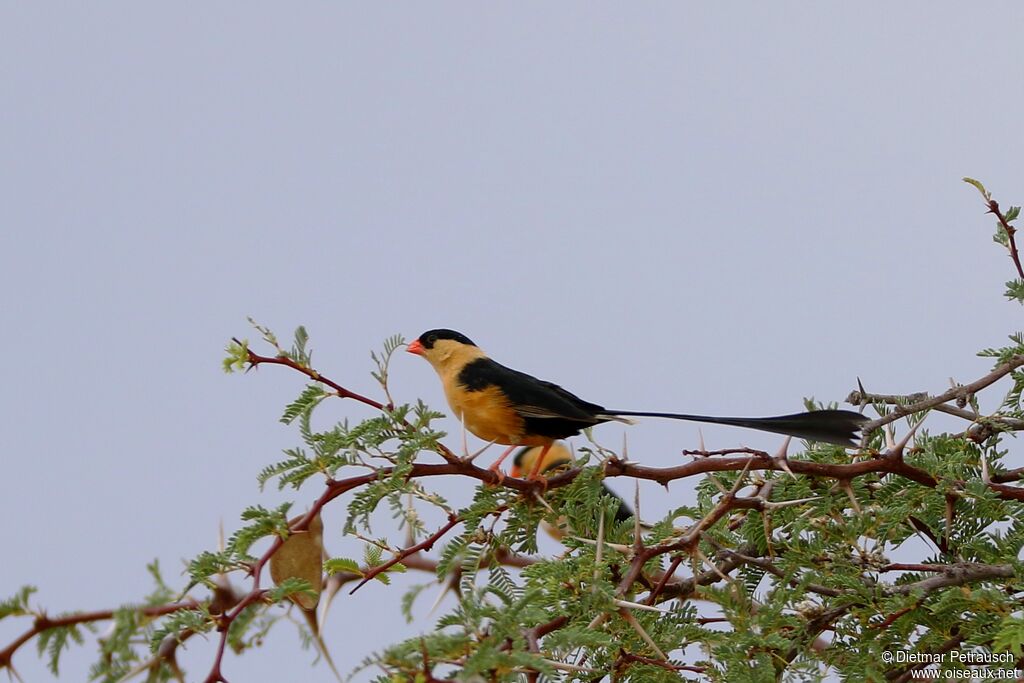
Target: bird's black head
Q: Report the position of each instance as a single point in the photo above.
(428, 338)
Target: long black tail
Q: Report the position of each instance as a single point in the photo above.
(832, 426)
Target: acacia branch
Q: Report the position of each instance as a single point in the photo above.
(890, 462)
(956, 574)
(625, 658)
(687, 543)
(255, 360)
(44, 623)
(993, 208)
(981, 428)
(887, 463)
(961, 392)
(426, 544)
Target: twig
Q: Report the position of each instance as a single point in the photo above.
(627, 657)
(255, 360)
(1005, 490)
(955, 575)
(425, 544)
(44, 623)
(959, 392)
(900, 567)
(888, 463)
(859, 397)
(993, 207)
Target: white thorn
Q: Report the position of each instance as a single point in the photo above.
(474, 456)
(330, 590)
(890, 439)
(781, 457)
(640, 630)
(448, 586)
(625, 549)
(789, 503)
(540, 499)
(636, 605)
(898, 448)
(853, 499)
(718, 485)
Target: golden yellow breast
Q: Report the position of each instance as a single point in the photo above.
(487, 414)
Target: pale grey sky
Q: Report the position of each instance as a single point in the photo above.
(705, 208)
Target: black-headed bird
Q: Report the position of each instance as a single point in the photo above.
(508, 407)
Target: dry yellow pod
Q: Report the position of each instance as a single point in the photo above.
(302, 557)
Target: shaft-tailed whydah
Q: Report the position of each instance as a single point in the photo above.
(508, 407)
(550, 461)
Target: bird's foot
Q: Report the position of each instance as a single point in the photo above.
(538, 479)
(496, 469)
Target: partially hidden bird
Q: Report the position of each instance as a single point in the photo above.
(549, 462)
(511, 408)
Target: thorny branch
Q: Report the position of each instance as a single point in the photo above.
(961, 392)
(44, 623)
(255, 360)
(426, 544)
(978, 431)
(659, 586)
(891, 462)
(993, 208)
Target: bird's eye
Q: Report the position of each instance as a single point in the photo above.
(431, 339)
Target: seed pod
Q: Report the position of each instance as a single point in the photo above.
(301, 557)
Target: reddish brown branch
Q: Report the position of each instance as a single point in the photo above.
(993, 207)
(44, 623)
(1009, 475)
(891, 619)
(960, 392)
(1005, 491)
(686, 544)
(426, 544)
(899, 567)
(255, 360)
(888, 463)
(625, 658)
(676, 561)
(956, 575)
(759, 460)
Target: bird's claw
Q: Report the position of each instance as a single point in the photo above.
(539, 479)
(496, 469)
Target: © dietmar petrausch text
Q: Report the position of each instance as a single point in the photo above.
(956, 665)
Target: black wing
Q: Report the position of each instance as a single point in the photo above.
(546, 408)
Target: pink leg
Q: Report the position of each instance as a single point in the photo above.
(538, 461)
(496, 467)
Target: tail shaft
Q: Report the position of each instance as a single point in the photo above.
(831, 426)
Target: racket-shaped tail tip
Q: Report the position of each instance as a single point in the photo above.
(840, 427)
